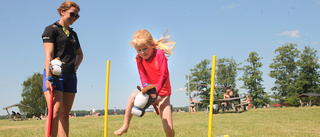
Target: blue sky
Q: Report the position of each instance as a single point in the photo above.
(201, 29)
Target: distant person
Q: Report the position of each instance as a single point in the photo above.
(18, 115)
(247, 101)
(61, 41)
(14, 113)
(192, 107)
(214, 107)
(153, 69)
(229, 93)
(115, 111)
(93, 112)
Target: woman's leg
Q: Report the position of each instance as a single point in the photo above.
(66, 105)
(165, 114)
(194, 109)
(57, 98)
(224, 97)
(127, 115)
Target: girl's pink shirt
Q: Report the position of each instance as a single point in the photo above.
(155, 71)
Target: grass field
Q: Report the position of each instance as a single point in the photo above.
(282, 122)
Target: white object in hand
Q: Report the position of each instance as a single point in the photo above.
(140, 102)
(56, 67)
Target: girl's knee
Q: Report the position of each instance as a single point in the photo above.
(133, 95)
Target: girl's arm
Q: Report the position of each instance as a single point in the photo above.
(163, 64)
(142, 72)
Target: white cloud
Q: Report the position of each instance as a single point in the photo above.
(181, 89)
(233, 5)
(292, 34)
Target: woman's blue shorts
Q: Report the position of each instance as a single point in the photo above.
(66, 83)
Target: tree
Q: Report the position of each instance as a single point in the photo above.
(309, 75)
(32, 95)
(226, 74)
(201, 76)
(285, 70)
(252, 80)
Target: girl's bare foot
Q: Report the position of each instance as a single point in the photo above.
(122, 130)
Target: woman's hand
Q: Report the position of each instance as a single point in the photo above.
(76, 68)
(49, 85)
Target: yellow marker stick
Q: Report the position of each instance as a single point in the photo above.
(212, 95)
(106, 103)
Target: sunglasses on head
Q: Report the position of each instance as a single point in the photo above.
(72, 14)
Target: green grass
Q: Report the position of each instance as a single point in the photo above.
(286, 122)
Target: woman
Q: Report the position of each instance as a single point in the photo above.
(192, 108)
(61, 41)
(229, 93)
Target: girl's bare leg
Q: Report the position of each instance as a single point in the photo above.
(166, 117)
(127, 115)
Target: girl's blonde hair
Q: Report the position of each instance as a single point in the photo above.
(144, 37)
(67, 5)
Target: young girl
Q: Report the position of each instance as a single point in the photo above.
(153, 69)
(247, 101)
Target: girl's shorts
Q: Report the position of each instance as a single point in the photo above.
(66, 83)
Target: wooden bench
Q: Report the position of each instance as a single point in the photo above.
(239, 105)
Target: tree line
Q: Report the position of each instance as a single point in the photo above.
(295, 72)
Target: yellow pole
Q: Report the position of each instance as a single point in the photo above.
(106, 103)
(213, 70)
